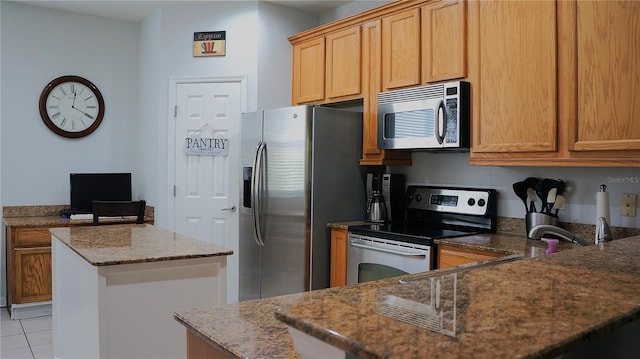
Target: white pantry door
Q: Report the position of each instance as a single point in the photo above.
(207, 187)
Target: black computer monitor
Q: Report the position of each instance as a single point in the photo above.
(87, 187)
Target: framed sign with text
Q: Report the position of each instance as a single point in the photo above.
(209, 43)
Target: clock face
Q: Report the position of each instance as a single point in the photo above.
(71, 106)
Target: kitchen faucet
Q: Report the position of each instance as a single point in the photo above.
(536, 232)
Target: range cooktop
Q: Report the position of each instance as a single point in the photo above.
(438, 212)
(408, 232)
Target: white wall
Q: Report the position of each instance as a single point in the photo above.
(277, 24)
(40, 46)
(349, 9)
(582, 184)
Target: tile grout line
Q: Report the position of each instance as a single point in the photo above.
(27, 338)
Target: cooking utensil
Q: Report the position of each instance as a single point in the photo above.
(542, 193)
(560, 200)
(520, 189)
(542, 190)
(531, 192)
(551, 199)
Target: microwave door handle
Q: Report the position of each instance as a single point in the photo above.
(441, 122)
(405, 253)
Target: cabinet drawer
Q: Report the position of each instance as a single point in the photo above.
(451, 257)
(32, 237)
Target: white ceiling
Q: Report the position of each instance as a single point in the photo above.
(138, 10)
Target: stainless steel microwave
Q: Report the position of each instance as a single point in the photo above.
(433, 117)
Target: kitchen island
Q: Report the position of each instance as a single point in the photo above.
(517, 306)
(116, 287)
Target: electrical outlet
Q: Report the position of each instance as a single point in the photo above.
(628, 205)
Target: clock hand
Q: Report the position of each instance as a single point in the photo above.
(86, 114)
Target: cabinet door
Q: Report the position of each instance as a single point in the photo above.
(513, 70)
(444, 40)
(308, 71)
(401, 49)
(371, 66)
(608, 91)
(343, 63)
(32, 271)
(372, 85)
(338, 275)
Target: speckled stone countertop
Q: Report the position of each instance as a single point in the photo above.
(250, 330)
(49, 216)
(133, 243)
(535, 307)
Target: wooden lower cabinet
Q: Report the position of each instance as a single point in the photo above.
(28, 264)
(338, 275)
(197, 348)
(32, 278)
(449, 256)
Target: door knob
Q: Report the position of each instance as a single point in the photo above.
(230, 208)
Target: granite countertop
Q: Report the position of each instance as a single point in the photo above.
(534, 307)
(58, 221)
(49, 216)
(249, 329)
(133, 243)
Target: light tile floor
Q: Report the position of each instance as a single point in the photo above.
(26, 338)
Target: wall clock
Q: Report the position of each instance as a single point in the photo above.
(71, 106)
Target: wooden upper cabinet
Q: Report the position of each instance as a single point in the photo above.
(372, 85)
(401, 49)
(308, 71)
(555, 83)
(444, 41)
(512, 68)
(343, 63)
(608, 76)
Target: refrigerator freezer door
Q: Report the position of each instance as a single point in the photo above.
(249, 250)
(286, 133)
(338, 192)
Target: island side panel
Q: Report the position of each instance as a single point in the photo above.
(76, 301)
(142, 298)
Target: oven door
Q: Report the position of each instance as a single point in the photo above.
(370, 258)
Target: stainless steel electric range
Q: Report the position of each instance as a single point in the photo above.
(381, 250)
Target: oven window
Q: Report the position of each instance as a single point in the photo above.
(371, 271)
(409, 124)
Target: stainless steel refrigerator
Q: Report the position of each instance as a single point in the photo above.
(300, 171)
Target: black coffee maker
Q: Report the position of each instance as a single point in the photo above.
(385, 193)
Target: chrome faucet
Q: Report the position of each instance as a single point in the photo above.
(536, 232)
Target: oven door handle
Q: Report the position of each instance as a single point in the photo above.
(416, 253)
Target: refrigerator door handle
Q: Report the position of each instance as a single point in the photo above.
(256, 195)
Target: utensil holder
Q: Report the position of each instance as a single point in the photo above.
(534, 218)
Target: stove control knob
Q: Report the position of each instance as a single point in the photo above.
(471, 202)
(409, 198)
(418, 197)
(481, 202)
